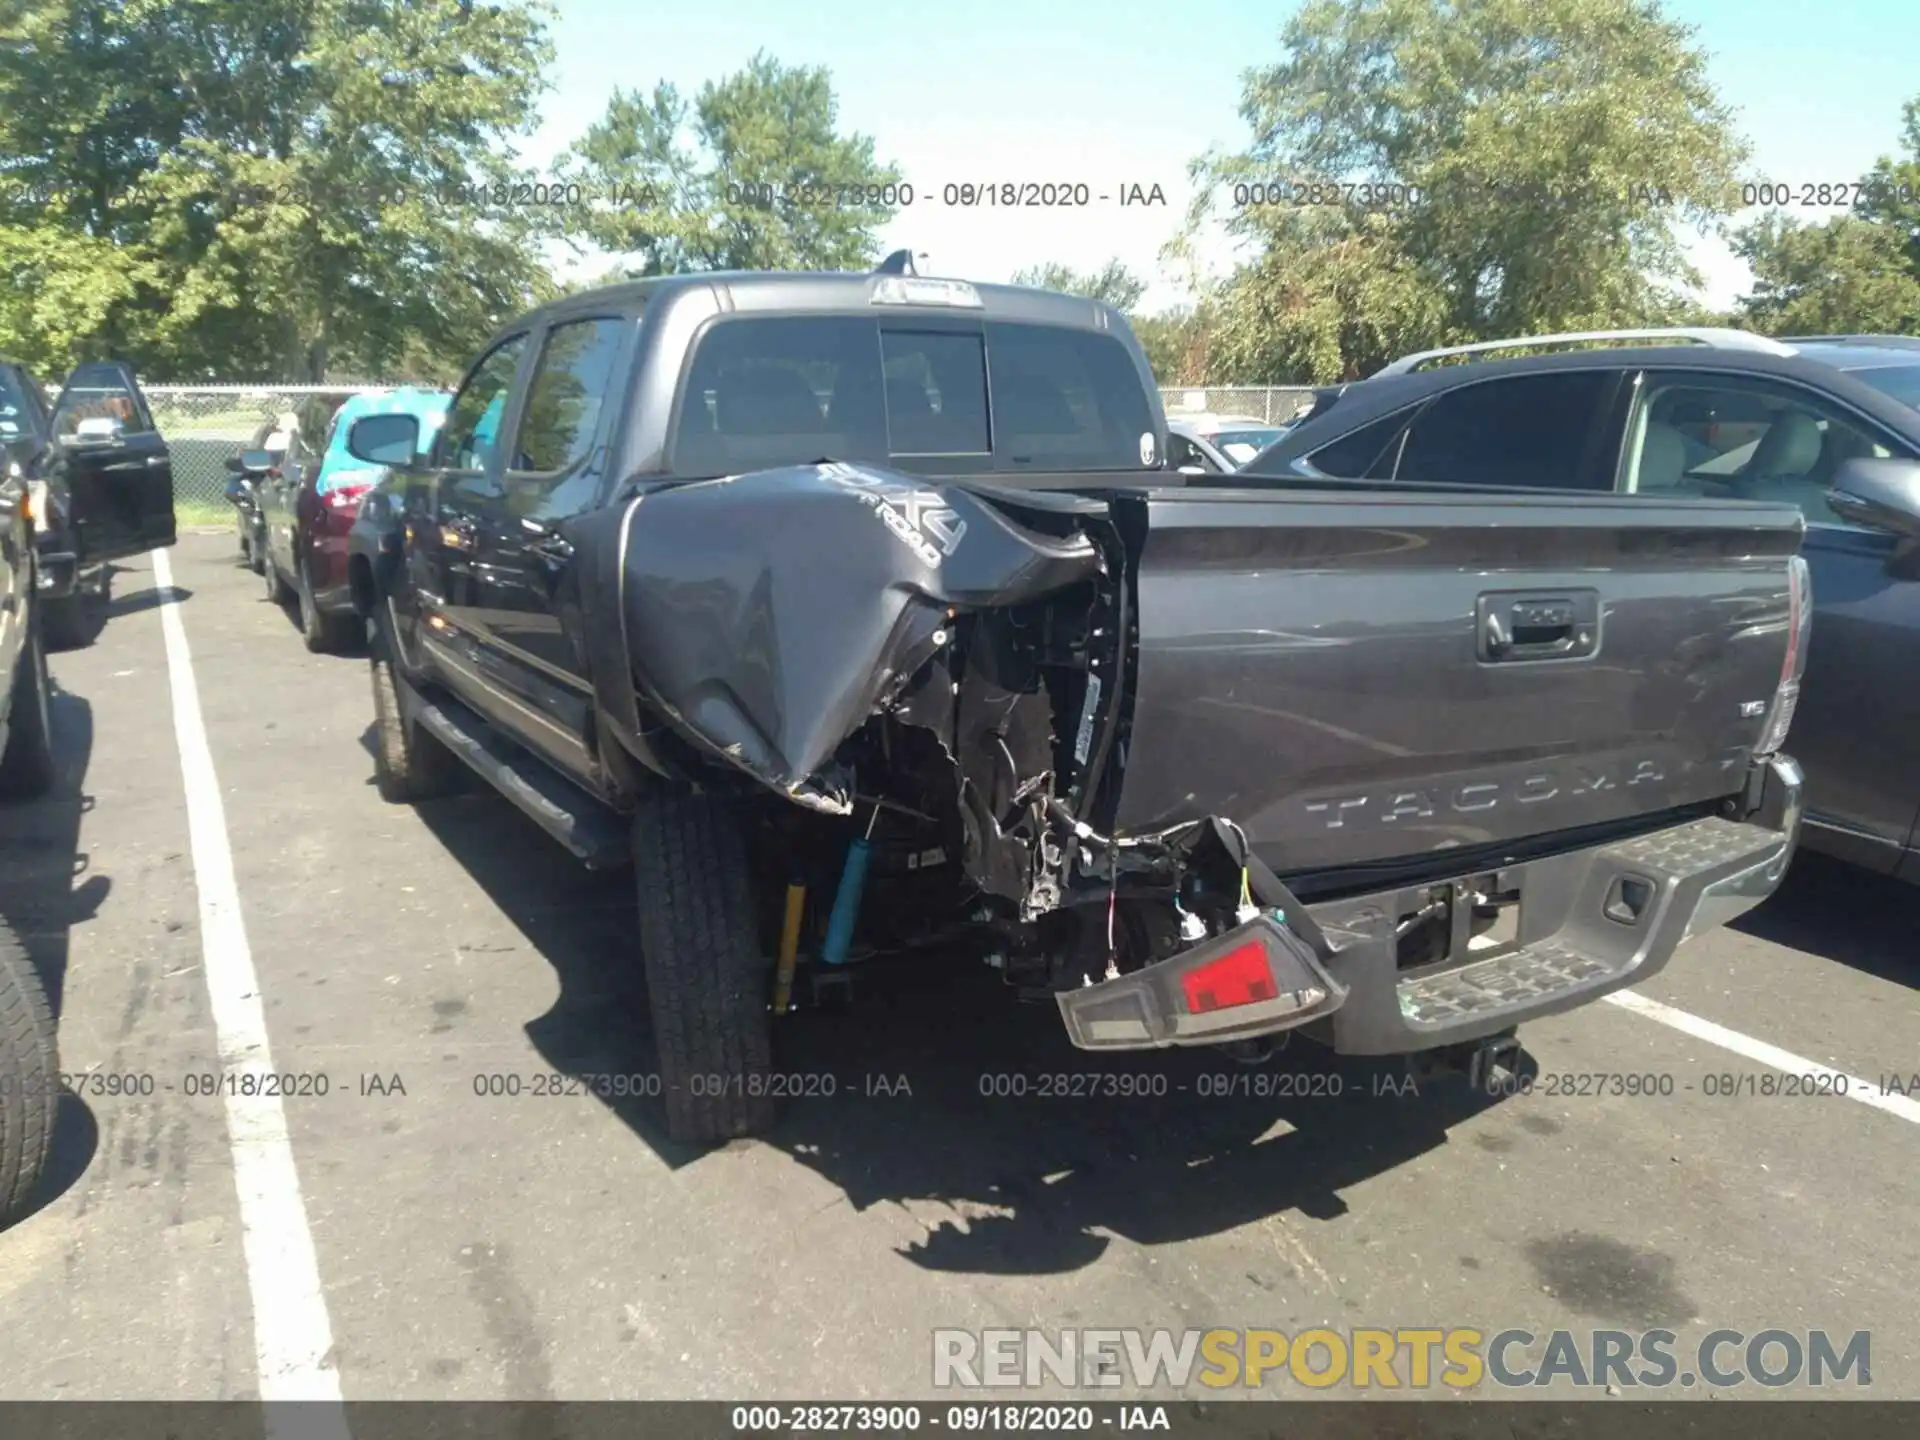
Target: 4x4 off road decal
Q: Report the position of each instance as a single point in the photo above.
(919, 518)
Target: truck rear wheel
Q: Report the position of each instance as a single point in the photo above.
(278, 592)
(27, 769)
(409, 765)
(322, 633)
(706, 976)
(75, 620)
(29, 1077)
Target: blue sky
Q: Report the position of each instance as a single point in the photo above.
(1120, 92)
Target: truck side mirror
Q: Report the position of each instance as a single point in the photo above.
(1883, 494)
(389, 440)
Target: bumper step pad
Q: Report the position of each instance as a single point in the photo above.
(1518, 978)
(1698, 856)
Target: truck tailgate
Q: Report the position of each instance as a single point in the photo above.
(1360, 676)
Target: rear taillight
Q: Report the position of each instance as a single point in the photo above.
(346, 497)
(1799, 624)
(1242, 976)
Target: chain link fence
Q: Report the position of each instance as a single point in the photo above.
(206, 424)
(1271, 404)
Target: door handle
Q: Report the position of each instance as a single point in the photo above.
(1518, 626)
(551, 549)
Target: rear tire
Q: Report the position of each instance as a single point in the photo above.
(707, 980)
(277, 591)
(27, 770)
(324, 634)
(29, 1077)
(75, 620)
(409, 765)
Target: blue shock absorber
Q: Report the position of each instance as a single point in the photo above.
(846, 900)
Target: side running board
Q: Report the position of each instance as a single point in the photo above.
(593, 833)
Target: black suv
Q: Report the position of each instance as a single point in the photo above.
(28, 1068)
(98, 484)
(1826, 422)
(87, 481)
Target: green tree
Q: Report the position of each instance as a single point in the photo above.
(1855, 274)
(1324, 302)
(271, 177)
(1177, 343)
(753, 174)
(1112, 284)
(1466, 169)
(1842, 276)
(1890, 192)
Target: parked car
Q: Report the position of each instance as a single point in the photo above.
(249, 525)
(29, 1065)
(1215, 444)
(876, 587)
(1825, 423)
(307, 502)
(99, 484)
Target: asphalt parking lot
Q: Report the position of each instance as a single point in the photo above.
(559, 1246)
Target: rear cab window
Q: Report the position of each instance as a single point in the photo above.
(931, 393)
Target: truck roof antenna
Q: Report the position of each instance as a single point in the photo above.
(900, 262)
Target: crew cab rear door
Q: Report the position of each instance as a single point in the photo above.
(118, 472)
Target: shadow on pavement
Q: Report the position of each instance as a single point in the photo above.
(149, 599)
(46, 889)
(1842, 913)
(937, 1085)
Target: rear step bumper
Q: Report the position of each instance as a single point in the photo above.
(1577, 940)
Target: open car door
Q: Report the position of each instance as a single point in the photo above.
(118, 472)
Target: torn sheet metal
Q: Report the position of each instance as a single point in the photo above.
(767, 615)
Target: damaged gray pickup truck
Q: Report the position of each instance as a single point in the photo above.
(861, 614)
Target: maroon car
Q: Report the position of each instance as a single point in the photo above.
(307, 503)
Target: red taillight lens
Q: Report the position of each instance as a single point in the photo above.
(1786, 697)
(346, 497)
(1242, 976)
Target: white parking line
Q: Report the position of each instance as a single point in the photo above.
(292, 1336)
(1867, 1092)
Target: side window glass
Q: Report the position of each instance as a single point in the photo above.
(570, 386)
(1741, 438)
(471, 435)
(784, 390)
(1368, 453)
(99, 402)
(16, 415)
(1540, 431)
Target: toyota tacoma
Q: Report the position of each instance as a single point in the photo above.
(863, 615)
